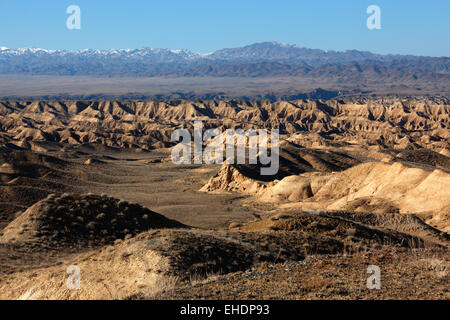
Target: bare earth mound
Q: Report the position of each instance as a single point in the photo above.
(72, 219)
(143, 266)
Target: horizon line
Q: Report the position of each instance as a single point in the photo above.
(178, 50)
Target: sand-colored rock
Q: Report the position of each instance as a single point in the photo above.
(230, 179)
(373, 186)
(137, 124)
(292, 188)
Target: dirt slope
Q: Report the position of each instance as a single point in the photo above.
(368, 187)
(74, 219)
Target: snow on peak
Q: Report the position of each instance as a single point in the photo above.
(110, 52)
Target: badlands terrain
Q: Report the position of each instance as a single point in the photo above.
(91, 184)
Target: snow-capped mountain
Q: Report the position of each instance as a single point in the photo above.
(143, 52)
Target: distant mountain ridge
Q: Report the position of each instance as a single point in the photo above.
(267, 59)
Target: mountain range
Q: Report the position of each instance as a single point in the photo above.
(257, 60)
(268, 70)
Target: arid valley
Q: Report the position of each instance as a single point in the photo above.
(362, 182)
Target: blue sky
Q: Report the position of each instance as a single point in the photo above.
(408, 27)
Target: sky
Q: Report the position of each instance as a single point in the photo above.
(415, 27)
